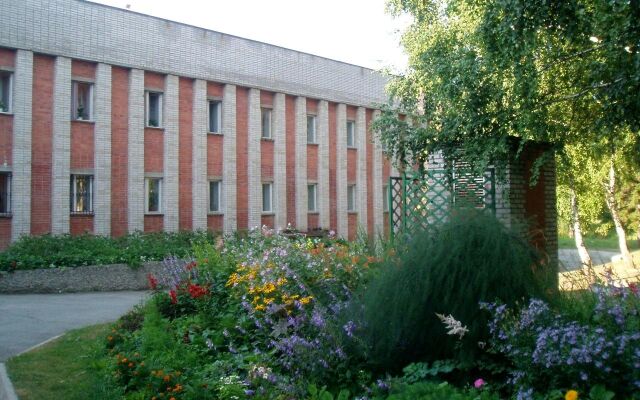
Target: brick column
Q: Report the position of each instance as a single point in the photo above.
(21, 149)
(199, 164)
(301, 163)
(279, 161)
(361, 134)
(171, 154)
(102, 156)
(254, 172)
(61, 156)
(378, 212)
(341, 171)
(229, 175)
(135, 155)
(323, 164)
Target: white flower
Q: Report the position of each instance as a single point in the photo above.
(454, 326)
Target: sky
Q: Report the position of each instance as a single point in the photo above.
(354, 31)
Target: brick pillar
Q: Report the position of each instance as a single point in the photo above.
(301, 163)
(199, 165)
(323, 164)
(171, 154)
(341, 171)
(254, 173)
(135, 155)
(361, 134)
(102, 156)
(378, 222)
(279, 161)
(229, 163)
(61, 156)
(21, 149)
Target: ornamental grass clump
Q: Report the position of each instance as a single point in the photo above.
(449, 270)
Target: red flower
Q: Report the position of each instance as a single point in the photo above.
(197, 291)
(634, 288)
(174, 296)
(191, 266)
(153, 282)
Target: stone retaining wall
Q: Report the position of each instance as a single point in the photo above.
(95, 278)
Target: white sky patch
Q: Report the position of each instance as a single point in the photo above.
(354, 31)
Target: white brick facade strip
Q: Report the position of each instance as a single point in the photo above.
(21, 168)
(361, 134)
(61, 151)
(323, 164)
(135, 152)
(199, 150)
(301, 163)
(229, 175)
(254, 169)
(280, 161)
(102, 167)
(341, 171)
(171, 154)
(378, 212)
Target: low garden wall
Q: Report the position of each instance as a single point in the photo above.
(80, 279)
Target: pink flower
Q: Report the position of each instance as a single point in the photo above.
(478, 383)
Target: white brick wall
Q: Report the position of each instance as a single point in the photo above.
(102, 156)
(361, 134)
(21, 168)
(301, 163)
(229, 153)
(341, 171)
(323, 163)
(279, 161)
(199, 164)
(254, 173)
(171, 126)
(135, 152)
(378, 212)
(61, 151)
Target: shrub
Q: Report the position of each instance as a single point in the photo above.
(438, 391)
(469, 259)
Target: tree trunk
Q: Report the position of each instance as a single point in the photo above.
(585, 258)
(610, 199)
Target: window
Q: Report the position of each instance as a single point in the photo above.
(215, 114)
(312, 197)
(81, 194)
(215, 189)
(351, 134)
(266, 123)
(82, 101)
(153, 109)
(267, 197)
(311, 129)
(153, 195)
(5, 192)
(385, 198)
(6, 83)
(351, 198)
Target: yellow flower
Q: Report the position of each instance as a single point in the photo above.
(571, 395)
(306, 300)
(233, 280)
(281, 281)
(269, 287)
(268, 300)
(260, 307)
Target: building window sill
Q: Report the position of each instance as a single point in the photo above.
(267, 139)
(215, 133)
(215, 213)
(268, 213)
(6, 215)
(84, 121)
(82, 214)
(153, 214)
(6, 113)
(156, 128)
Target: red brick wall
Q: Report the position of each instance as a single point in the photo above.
(83, 69)
(313, 221)
(6, 139)
(42, 136)
(80, 224)
(215, 89)
(7, 58)
(370, 194)
(154, 80)
(290, 120)
(267, 220)
(333, 203)
(352, 165)
(5, 232)
(242, 108)
(153, 150)
(82, 145)
(214, 155)
(153, 223)
(266, 159)
(266, 98)
(119, 145)
(215, 223)
(185, 154)
(312, 162)
(353, 225)
(312, 106)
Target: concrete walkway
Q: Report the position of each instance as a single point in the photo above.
(570, 259)
(29, 319)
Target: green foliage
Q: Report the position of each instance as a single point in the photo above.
(323, 394)
(471, 258)
(438, 391)
(48, 251)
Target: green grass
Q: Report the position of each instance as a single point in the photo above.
(69, 368)
(598, 243)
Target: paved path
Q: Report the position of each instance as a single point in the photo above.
(570, 260)
(29, 319)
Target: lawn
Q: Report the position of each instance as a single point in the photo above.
(67, 368)
(598, 243)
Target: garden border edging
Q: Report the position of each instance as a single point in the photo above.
(93, 278)
(7, 391)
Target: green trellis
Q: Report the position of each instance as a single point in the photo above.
(420, 201)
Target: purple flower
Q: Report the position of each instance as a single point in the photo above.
(349, 327)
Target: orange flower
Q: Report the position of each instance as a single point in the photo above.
(167, 378)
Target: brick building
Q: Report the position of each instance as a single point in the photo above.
(113, 122)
